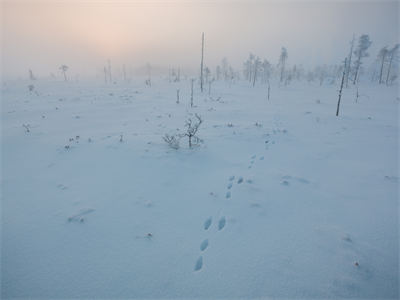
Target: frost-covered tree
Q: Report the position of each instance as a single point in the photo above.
(218, 72)
(64, 70)
(225, 68)
(266, 70)
(31, 76)
(257, 63)
(207, 74)
(282, 61)
(361, 51)
(382, 55)
(192, 126)
(348, 64)
(393, 56)
(105, 74)
(341, 87)
(202, 62)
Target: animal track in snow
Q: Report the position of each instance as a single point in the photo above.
(228, 195)
(229, 185)
(207, 223)
(287, 178)
(62, 187)
(240, 180)
(79, 216)
(204, 245)
(231, 178)
(199, 264)
(221, 223)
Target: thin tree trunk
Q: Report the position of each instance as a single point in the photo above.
(177, 96)
(269, 88)
(105, 75)
(389, 67)
(349, 62)
(255, 73)
(191, 93)
(65, 76)
(282, 70)
(381, 72)
(357, 69)
(341, 87)
(201, 65)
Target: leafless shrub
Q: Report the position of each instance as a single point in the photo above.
(192, 128)
(172, 141)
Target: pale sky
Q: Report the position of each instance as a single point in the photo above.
(83, 34)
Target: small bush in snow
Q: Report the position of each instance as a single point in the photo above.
(26, 127)
(172, 141)
(192, 126)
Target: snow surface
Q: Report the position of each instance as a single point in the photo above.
(282, 198)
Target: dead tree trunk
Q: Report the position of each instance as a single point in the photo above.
(358, 64)
(382, 64)
(349, 62)
(341, 87)
(255, 72)
(177, 96)
(191, 93)
(201, 65)
(389, 67)
(269, 88)
(105, 75)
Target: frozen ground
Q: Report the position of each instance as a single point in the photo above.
(283, 199)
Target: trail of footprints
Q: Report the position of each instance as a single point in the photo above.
(222, 221)
(204, 244)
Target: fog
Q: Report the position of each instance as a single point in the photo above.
(42, 35)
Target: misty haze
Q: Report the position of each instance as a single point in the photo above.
(199, 149)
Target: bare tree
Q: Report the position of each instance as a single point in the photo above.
(382, 57)
(31, 76)
(348, 67)
(201, 64)
(105, 74)
(191, 92)
(64, 69)
(341, 87)
(361, 52)
(172, 141)
(256, 66)
(192, 128)
(282, 62)
(266, 67)
(393, 53)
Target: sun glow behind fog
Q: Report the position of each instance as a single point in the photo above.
(83, 34)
